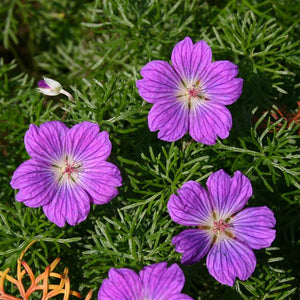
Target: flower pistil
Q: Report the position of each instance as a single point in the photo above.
(218, 228)
(191, 94)
(67, 170)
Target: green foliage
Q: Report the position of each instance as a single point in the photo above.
(19, 227)
(261, 45)
(273, 151)
(271, 283)
(96, 50)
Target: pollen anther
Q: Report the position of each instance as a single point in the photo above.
(220, 226)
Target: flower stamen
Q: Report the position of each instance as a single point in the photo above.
(194, 92)
(67, 170)
(220, 227)
(71, 168)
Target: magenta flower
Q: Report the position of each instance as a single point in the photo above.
(190, 96)
(67, 171)
(223, 232)
(154, 282)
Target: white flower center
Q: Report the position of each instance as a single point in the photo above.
(66, 170)
(218, 228)
(191, 94)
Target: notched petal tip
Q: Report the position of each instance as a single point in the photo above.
(194, 244)
(229, 195)
(253, 225)
(230, 259)
(192, 205)
(208, 121)
(121, 284)
(162, 282)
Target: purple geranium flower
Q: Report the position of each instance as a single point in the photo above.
(223, 232)
(154, 282)
(191, 94)
(67, 171)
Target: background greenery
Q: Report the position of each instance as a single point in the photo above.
(96, 50)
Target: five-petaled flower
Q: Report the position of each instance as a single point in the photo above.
(67, 171)
(51, 87)
(190, 96)
(155, 282)
(227, 234)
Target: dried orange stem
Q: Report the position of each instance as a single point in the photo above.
(49, 290)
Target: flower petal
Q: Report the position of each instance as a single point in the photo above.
(53, 84)
(122, 284)
(191, 60)
(84, 142)
(208, 121)
(253, 226)
(43, 85)
(160, 282)
(193, 243)
(160, 82)
(229, 195)
(170, 118)
(226, 93)
(38, 194)
(48, 92)
(70, 204)
(219, 82)
(46, 143)
(29, 172)
(35, 182)
(229, 259)
(100, 180)
(192, 207)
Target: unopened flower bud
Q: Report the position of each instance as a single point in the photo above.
(51, 87)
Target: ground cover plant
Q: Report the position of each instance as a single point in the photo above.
(101, 99)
